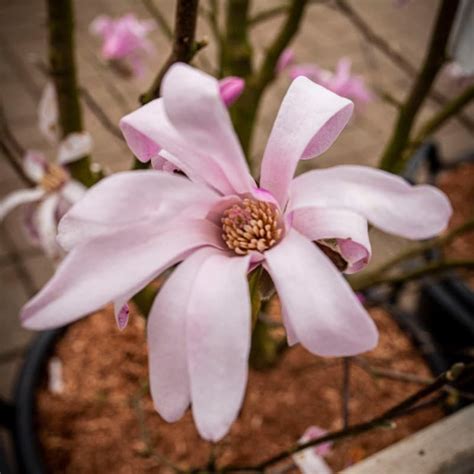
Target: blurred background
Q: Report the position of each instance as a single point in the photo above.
(326, 36)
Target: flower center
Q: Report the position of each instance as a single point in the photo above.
(54, 178)
(251, 225)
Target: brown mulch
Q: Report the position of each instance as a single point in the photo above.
(458, 184)
(104, 420)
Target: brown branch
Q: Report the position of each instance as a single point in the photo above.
(183, 44)
(392, 158)
(63, 73)
(456, 374)
(395, 56)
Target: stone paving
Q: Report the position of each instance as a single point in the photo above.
(326, 35)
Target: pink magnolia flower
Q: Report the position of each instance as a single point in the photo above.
(310, 460)
(221, 224)
(48, 201)
(341, 82)
(459, 76)
(124, 40)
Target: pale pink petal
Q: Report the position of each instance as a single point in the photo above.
(72, 191)
(218, 343)
(230, 89)
(311, 71)
(148, 130)
(194, 106)
(325, 314)
(121, 311)
(310, 462)
(309, 120)
(314, 432)
(46, 225)
(347, 227)
(16, 198)
(34, 165)
(384, 199)
(167, 355)
(286, 59)
(130, 198)
(73, 147)
(101, 25)
(107, 268)
(48, 114)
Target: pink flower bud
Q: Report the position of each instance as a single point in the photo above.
(230, 89)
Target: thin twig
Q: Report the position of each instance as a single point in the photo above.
(155, 12)
(366, 280)
(410, 405)
(183, 44)
(100, 114)
(428, 269)
(389, 51)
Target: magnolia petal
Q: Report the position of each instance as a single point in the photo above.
(34, 165)
(325, 314)
(310, 462)
(121, 312)
(348, 228)
(46, 224)
(167, 355)
(48, 114)
(148, 131)
(73, 191)
(384, 199)
(101, 25)
(286, 59)
(74, 146)
(22, 196)
(129, 198)
(194, 106)
(309, 120)
(218, 342)
(102, 270)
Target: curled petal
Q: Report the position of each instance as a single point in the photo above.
(384, 199)
(325, 314)
(167, 354)
(218, 342)
(22, 196)
(34, 165)
(121, 311)
(194, 106)
(309, 120)
(130, 198)
(102, 270)
(347, 228)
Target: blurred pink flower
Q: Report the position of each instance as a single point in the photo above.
(124, 41)
(310, 460)
(231, 88)
(460, 77)
(220, 224)
(286, 59)
(54, 194)
(341, 82)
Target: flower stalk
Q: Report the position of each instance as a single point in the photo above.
(63, 73)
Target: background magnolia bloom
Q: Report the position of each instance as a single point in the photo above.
(48, 114)
(221, 225)
(311, 460)
(341, 82)
(286, 59)
(124, 40)
(48, 201)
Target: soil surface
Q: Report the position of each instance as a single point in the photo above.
(458, 185)
(104, 421)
